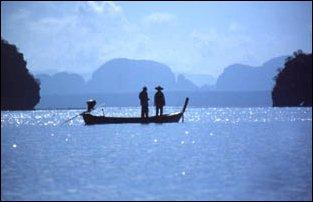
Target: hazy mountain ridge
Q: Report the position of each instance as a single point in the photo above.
(125, 75)
(116, 76)
(239, 77)
(201, 79)
(61, 83)
(124, 78)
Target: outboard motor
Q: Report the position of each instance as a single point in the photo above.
(90, 105)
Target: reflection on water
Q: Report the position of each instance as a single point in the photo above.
(216, 154)
(203, 115)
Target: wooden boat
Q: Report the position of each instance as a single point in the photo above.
(165, 118)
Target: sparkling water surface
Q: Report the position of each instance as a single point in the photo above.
(216, 154)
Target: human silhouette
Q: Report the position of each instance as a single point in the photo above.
(90, 105)
(159, 101)
(143, 96)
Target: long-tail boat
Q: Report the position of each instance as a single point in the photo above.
(165, 118)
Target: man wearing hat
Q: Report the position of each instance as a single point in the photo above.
(159, 101)
(143, 96)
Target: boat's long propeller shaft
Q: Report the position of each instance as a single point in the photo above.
(101, 105)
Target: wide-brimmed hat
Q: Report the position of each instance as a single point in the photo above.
(158, 88)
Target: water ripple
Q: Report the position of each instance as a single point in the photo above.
(202, 115)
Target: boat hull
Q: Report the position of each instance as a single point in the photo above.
(91, 119)
(165, 118)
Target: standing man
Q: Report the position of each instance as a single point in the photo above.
(159, 101)
(143, 96)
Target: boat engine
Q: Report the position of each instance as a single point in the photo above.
(90, 105)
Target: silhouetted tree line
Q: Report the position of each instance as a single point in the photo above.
(19, 89)
(294, 82)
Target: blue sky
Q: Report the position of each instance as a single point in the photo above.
(190, 37)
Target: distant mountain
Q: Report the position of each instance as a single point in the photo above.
(239, 77)
(201, 79)
(118, 82)
(116, 76)
(183, 84)
(61, 83)
(125, 75)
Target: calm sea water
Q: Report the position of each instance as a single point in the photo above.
(216, 154)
